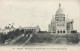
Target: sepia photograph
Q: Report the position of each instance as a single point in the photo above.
(39, 25)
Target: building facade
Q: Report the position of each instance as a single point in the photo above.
(60, 23)
(31, 29)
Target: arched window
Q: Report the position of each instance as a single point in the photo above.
(63, 31)
(60, 31)
(57, 31)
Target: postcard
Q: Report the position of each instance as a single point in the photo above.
(39, 25)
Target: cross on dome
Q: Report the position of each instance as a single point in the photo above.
(59, 5)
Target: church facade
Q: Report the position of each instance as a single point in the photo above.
(60, 24)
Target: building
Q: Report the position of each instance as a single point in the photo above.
(7, 29)
(60, 24)
(31, 29)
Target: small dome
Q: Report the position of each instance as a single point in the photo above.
(53, 19)
(67, 19)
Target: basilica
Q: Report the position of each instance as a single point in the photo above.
(60, 23)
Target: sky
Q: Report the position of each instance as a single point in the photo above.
(27, 13)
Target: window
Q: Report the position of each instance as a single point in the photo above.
(60, 31)
(63, 31)
(57, 31)
(32, 29)
(53, 32)
(63, 19)
(60, 20)
(57, 19)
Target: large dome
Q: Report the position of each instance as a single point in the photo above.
(59, 11)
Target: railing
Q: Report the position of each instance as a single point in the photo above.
(28, 39)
